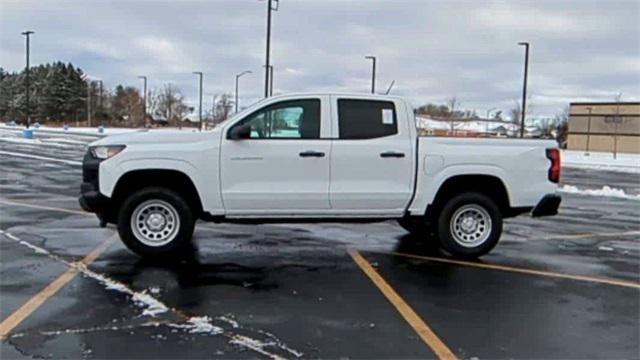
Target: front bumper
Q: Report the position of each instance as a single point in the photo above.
(90, 198)
(547, 206)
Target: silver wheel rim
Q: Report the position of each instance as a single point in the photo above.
(470, 225)
(155, 222)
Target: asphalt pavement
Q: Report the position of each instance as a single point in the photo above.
(560, 287)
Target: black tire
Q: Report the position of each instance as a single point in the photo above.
(179, 223)
(481, 238)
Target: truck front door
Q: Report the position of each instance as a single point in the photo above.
(274, 161)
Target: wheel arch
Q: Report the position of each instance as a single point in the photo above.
(489, 185)
(174, 180)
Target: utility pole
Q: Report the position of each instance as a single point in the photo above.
(270, 8)
(524, 87)
(373, 72)
(237, 78)
(199, 73)
(588, 128)
(144, 98)
(26, 79)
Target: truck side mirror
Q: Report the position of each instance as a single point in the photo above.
(240, 132)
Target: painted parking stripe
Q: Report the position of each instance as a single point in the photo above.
(40, 298)
(592, 235)
(623, 283)
(417, 323)
(43, 207)
(37, 157)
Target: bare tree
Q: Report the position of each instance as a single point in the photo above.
(169, 103)
(561, 121)
(222, 107)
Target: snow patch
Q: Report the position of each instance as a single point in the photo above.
(604, 191)
(255, 345)
(153, 307)
(628, 163)
(44, 158)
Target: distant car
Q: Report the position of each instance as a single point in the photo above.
(317, 157)
(12, 123)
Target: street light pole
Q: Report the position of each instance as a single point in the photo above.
(270, 80)
(524, 87)
(238, 77)
(270, 8)
(100, 97)
(144, 98)
(199, 73)
(590, 108)
(26, 80)
(373, 72)
(89, 82)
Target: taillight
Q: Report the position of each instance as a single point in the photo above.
(554, 169)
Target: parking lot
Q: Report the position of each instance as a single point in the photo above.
(561, 287)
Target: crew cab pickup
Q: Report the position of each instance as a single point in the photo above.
(317, 157)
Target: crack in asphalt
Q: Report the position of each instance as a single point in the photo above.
(153, 307)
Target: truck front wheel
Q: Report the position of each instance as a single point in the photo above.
(469, 225)
(155, 222)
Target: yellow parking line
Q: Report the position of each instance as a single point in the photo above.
(42, 207)
(417, 323)
(591, 235)
(37, 300)
(623, 283)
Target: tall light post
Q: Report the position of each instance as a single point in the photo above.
(589, 109)
(270, 8)
(199, 73)
(144, 98)
(26, 79)
(100, 96)
(373, 72)
(237, 78)
(524, 86)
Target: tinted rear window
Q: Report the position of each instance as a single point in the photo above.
(366, 119)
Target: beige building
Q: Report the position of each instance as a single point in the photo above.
(604, 126)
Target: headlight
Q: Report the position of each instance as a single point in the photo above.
(105, 152)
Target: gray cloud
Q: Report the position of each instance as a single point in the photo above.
(581, 50)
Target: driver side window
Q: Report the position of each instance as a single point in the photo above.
(294, 119)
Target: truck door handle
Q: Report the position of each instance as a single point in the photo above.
(388, 154)
(311, 154)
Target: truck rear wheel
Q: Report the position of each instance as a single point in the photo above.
(469, 225)
(156, 222)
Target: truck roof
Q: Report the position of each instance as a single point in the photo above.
(345, 94)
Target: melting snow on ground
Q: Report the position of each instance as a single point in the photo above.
(153, 307)
(604, 191)
(629, 163)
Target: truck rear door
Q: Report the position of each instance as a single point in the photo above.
(372, 157)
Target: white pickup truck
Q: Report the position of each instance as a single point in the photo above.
(317, 157)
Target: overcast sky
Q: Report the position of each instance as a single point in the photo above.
(434, 50)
